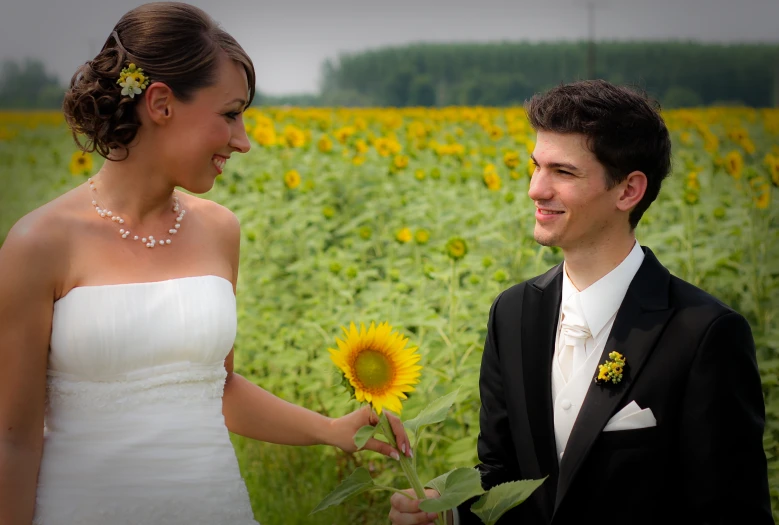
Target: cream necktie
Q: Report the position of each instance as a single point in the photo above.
(574, 333)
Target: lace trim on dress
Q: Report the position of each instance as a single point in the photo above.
(185, 387)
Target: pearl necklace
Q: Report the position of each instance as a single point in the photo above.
(151, 242)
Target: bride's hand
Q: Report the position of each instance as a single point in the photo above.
(345, 427)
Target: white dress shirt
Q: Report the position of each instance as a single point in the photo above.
(600, 302)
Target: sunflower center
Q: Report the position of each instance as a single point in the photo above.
(373, 369)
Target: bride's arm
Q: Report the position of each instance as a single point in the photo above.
(253, 412)
(26, 302)
(256, 413)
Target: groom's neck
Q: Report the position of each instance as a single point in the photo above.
(587, 263)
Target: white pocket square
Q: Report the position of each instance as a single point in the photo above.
(631, 417)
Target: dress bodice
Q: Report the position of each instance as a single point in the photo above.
(134, 430)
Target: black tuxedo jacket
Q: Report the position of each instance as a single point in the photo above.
(690, 359)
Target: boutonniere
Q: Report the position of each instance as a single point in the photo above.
(611, 369)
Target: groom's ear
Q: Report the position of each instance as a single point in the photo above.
(631, 190)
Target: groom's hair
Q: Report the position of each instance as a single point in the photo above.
(623, 127)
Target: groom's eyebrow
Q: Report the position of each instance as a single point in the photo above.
(554, 165)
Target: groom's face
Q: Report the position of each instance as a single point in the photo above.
(574, 208)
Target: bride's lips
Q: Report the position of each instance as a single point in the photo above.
(218, 162)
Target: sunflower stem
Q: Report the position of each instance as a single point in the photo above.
(689, 240)
(391, 489)
(452, 307)
(405, 464)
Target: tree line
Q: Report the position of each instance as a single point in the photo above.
(499, 74)
(678, 74)
(27, 85)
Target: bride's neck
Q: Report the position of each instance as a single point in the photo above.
(133, 188)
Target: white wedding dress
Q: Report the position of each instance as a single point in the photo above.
(134, 428)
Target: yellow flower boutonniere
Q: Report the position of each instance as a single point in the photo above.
(611, 370)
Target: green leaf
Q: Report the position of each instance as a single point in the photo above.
(363, 435)
(360, 481)
(439, 483)
(435, 412)
(502, 498)
(455, 487)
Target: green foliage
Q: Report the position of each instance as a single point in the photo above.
(422, 91)
(363, 435)
(504, 74)
(358, 482)
(681, 97)
(27, 85)
(300, 100)
(502, 498)
(435, 412)
(284, 484)
(455, 487)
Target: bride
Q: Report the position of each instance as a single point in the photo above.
(117, 301)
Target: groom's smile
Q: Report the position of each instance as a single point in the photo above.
(573, 205)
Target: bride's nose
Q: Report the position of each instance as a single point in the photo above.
(239, 140)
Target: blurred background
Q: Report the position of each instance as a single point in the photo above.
(435, 53)
(388, 178)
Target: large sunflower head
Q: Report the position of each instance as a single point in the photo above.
(377, 365)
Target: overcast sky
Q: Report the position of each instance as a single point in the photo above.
(289, 39)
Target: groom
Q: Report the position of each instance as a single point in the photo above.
(674, 435)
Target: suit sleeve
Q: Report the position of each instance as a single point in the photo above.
(497, 458)
(723, 417)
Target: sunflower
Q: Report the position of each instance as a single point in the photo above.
(456, 248)
(691, 197)
(325, 145)
(492, 181)
(422, 236)
(265, 135)
(772, 163)
(343, 134)
(511, 159)
(294, 137)
(81, 163)
(400, 161)
(734, 164)
(377, 365)
(292, 179)
(403, 235)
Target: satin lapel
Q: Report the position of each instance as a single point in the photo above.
(540, 313)
(640, 320)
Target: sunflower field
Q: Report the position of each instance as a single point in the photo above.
(419, 218)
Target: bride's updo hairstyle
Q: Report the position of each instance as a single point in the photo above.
(174, 43)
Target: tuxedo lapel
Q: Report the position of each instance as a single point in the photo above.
(541, 309)
(640, 320)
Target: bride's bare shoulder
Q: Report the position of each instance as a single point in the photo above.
(221, 220)
(220, 226)
(40, 239)
(49, 219)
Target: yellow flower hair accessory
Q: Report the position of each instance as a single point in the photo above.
(133, 81)
(611, 370)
